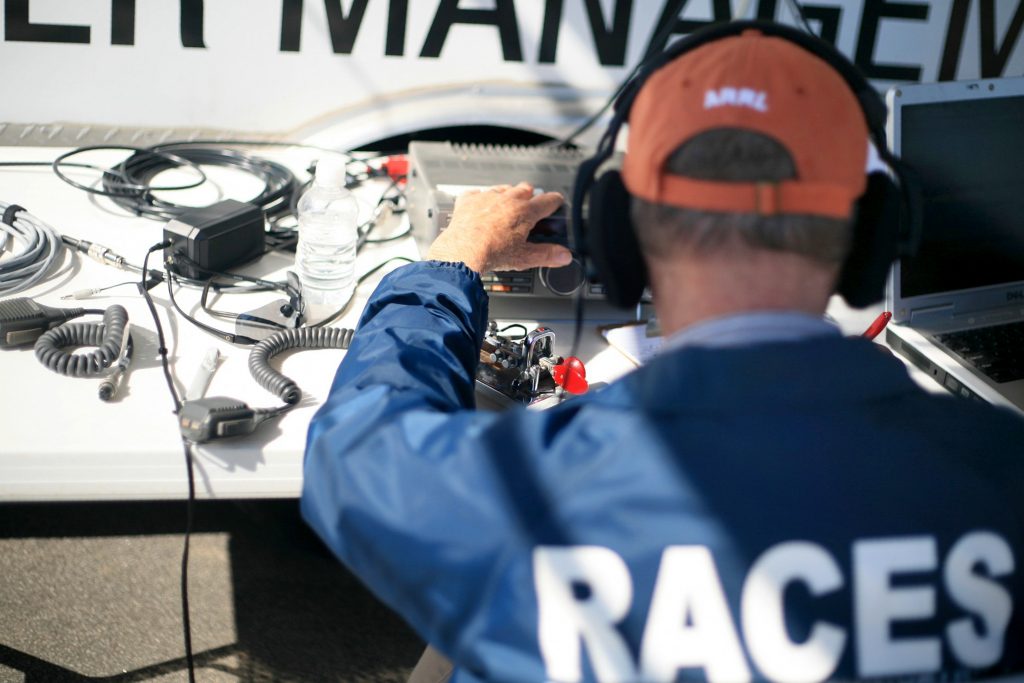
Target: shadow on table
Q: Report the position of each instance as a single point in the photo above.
(298, 615)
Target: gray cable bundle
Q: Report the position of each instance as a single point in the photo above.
(41, 248)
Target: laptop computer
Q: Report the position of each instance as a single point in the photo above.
(958, 304)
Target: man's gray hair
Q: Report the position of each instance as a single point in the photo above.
(738, 155)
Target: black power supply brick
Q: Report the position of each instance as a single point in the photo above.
(214, 238)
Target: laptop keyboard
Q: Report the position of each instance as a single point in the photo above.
(997, 351)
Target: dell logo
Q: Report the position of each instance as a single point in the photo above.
(1015, 295)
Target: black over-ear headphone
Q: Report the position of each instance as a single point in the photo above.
(886, 221)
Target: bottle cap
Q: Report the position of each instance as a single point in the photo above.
(330, 172)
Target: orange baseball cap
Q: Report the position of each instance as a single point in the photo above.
(760, 83)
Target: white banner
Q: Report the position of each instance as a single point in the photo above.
(347, 72)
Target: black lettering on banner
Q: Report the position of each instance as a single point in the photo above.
(871, 19)
(610, 42)
(122, 22)
(549, 32)
(291, 25)
(670, 14)
(344, 29)
(397, 19)
(993, 55)
(192, 23)
(19, 28)
(954, 40)
(503, 16)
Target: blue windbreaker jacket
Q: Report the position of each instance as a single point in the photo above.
(792, 511)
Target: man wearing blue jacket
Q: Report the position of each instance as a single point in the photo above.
(765, 500)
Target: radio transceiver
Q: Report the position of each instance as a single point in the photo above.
(440, 171)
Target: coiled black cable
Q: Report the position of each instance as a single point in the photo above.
(302, 338)
(106, 335)
(127, 183)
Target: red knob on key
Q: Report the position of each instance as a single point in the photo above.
(571, 375)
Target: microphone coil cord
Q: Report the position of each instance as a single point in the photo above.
(302, 338)
(107, 335)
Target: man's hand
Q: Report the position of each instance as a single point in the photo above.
(488, 230)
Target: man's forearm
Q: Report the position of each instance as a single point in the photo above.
(420, 331)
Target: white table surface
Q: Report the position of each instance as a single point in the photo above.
(58, 441)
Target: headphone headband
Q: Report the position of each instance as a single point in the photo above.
(871, 102)
(884, 203)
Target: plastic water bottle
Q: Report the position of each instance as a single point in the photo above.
(326, 253)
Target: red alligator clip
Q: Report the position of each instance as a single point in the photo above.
(571, 375)
(397, 167)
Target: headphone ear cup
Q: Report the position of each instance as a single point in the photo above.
(876, 243)
(611, 242)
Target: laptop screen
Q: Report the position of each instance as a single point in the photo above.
(969, 156)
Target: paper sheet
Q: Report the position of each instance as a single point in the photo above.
(633, 341)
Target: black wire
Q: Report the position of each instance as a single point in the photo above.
(229, 337)
(366, 228)
(49, 164)
(394, 238)
(594, 118)
(189, 517)
(247, 318)
(661, 36)
(117, 181)
(162, 349)
(578, 329)
(262, 285)
(285, 239)
(520, 326)
(607, 140)
(190, 505)
(380, 265)
(243, 340)
(279, 184)
(798, 12)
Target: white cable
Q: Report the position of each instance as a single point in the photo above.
(41, 248)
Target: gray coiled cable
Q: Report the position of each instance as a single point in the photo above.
(303, 338)
(106, 335)
(40, 248)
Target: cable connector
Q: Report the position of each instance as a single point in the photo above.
(206, 419)
(22, 320)
(82, 293)
(110, 383)
(97, 252)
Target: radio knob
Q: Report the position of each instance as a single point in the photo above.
(564, 280)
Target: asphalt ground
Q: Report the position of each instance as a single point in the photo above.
(91, 592)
